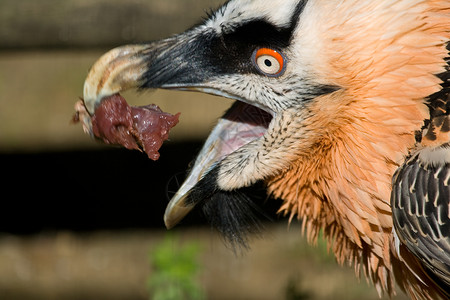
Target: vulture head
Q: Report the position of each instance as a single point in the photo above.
(331, 97)
(255, 52)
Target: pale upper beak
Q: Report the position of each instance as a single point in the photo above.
(117, 70)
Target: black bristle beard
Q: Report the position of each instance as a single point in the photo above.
(236, 214)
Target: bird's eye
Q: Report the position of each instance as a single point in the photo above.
(269, 62)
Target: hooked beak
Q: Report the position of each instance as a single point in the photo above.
(182, 62)
(118, 70)
(154, 65)
(174, 63)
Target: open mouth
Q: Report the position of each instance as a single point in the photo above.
(237, 136)
(241, 124)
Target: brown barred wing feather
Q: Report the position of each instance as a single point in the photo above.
(420, 205)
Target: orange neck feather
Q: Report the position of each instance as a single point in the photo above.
(357, 137)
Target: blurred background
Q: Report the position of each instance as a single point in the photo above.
(65, 233)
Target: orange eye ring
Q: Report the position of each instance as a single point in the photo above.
(269, 62)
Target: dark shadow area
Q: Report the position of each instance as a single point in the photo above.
(95, 189)
(86, 190)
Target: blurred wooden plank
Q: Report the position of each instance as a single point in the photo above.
(114, 265)
(94, 23)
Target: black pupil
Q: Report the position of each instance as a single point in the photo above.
(267, 62)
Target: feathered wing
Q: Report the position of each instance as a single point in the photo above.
(420, 208)
(420, 198)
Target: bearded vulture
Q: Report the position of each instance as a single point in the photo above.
(342, 111)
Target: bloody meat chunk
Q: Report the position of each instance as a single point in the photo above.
(143, 127)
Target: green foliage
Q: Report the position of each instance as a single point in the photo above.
(175, 271)
(321, 251)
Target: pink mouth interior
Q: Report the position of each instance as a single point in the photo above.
(247, 123)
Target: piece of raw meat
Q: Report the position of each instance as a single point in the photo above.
(142, 127)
